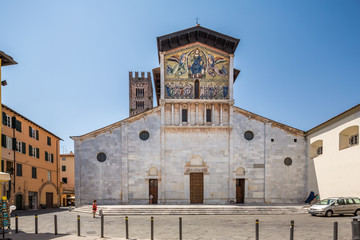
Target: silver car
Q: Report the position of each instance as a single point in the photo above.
(339, 205)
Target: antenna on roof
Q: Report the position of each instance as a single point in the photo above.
(197, 21)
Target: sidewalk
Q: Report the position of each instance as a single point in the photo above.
(49, 236)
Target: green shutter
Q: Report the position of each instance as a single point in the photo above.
(46, 156)
(30, 150)
(37, 153)
(52, 158)
(2, 165)
(18, 126)
(4, 119)
(30, 131)
(24, 148)
(14, 144)
(37, 135)
(3, 140)
(13, 122)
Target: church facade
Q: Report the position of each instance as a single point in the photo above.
(195, 146)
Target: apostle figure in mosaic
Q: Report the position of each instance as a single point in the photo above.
(212, 68)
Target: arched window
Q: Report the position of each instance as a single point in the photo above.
(316, 148)
(208, 115)
(197, 89)
(349, 137)
(184, 115)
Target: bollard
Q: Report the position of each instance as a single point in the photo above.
(152, 228)
(257, 229)
(55, 224)
(102, 226)
(16, 224)
(36, 224)
(335, 230)
(355, 227)
(78, 224)
(292, 230)
(180, 228)
(127, 227)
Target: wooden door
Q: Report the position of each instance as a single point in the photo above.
(240, 190)
(49, 200)
(196, 187)
(153, 190)
(19, 200)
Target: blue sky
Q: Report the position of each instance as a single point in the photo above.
(299, 60)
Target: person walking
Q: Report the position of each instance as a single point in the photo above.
(94, 208)
(150, 199)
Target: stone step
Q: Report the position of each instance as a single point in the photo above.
(194, 210)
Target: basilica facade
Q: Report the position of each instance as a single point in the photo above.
(195, 146)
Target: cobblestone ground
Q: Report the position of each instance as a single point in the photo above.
(167, 227)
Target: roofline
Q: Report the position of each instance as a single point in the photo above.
(68, 154)
(112, 126)
(274, 123)
(337, 118)
(12, 110)
(8, 59)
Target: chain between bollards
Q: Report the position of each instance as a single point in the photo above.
(180, 228)
(55, 224)
(127, 227)
(152, 228)
(78, 224)
(335, 230)
(257, 229)
(102, 225)
(36, 224)
(292, 230)
(16, 224)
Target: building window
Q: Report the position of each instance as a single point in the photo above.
(63, 168)
(63, 158)
(208, 115)
(64, 180)
(33, 133)
(288, 161)
(353, 140)
(18, 126)
(19, 170)
(197, 89)
(144, 135)
(49, 141)
(248, 135)
(6, 119)
(184, 115)
(101, 157)
(319, 150)
(139, 92)
(139, 104)
(19, 146)
(34, 152)
(49, 176)
(49, 157)
(8, 142)
(33, 172)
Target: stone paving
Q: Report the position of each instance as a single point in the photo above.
(167, 227)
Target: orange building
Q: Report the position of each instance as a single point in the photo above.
(30, 154)
(67, 179)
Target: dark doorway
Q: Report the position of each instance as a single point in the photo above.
(197, 89)
(19, 202)
(64, 202)
(49, 200)
(240, 190)
(196, 187)
(32, 200)
(153, 190)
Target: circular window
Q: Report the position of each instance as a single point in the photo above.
(249, 135)
(144, 135)
(287, 161)
(101, 157)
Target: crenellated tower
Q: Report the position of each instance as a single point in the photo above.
(140, 93)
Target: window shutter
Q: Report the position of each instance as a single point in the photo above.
(37, 135)
(46, 156)
(30, 131)
(37, 153)
(3, 140)
(13, 122)
(52, 158)
(30, 150)
(18, 126)
(4, 119)
(24, 148)
(14, 144)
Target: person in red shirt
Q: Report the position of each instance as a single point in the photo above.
(94, 208)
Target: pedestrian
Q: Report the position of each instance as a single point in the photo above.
(150, 198)
(94, 208)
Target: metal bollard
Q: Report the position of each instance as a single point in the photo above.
(78, 224)
(36, 224)
(355, 227)
(152, 228)
(55, 224)
(335, 230)
(102, 226)
(257, 229)
(180, 228)
(16, 224)
(292, 230)
(127, 227)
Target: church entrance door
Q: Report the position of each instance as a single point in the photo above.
(153, 190)
(240, 190)
(196, 187)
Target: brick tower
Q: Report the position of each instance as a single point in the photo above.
(140, 93)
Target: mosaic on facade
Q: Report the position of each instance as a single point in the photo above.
(185, 66)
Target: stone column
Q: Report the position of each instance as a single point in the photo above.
(212, 115)
(231, 77)
(124, 164)
(197, 113)
(162, 75)
(180, 114)
(162, 183)
(221, 109)
(172, 114)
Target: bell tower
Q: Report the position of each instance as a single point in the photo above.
(140, 93)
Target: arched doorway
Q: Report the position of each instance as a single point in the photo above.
(19, 202)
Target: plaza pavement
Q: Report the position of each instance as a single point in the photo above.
(272, 227)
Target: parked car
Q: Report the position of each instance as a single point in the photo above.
(338, 205)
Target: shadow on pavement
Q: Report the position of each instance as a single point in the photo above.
(37, 212)
(32, 236)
